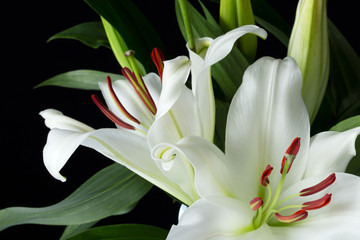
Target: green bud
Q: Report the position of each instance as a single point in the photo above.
(237, 13)
(309, 46)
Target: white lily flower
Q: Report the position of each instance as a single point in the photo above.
(274, 181)
(148, 111)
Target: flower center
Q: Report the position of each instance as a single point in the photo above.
(139, 87)
(270, 209)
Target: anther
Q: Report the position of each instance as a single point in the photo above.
(265, 176)
(322, 202)
(290, 154)
(158, 59)
(319, 187)
(298, 216)
(256, 203)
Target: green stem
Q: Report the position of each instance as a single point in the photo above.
(185, 14)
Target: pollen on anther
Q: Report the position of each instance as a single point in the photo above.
(322, 202)
(298, 216)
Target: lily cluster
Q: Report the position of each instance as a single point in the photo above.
(273, 181)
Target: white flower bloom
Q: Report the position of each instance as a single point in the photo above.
(149, 112)
(274, 181)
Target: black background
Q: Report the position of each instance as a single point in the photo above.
(27, 59)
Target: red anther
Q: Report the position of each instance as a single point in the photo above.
(298, 216)
(110, 115)
(118, 103)
(322, 202)
(291, 153)
(264, 177)
(158, 59)
(319, 187)
(256, 203)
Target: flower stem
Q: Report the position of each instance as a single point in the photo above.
(185, 15)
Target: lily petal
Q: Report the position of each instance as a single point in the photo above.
(176, 72)
(331, 152)
(211, 174)
(338, 220)
(221, 46)
(226, 217)
(265, 115)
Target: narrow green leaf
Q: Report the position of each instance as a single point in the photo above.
(273, 29)
(90, 33)
(229, 71)
(113, 190)
(132, 25)
(123, 232)
(80, 79)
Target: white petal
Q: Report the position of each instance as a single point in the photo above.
(176, 72)
(331, 152)
(220, 218)
(56, 119)
(265, 115)
(221, 46)
(203, 91)
(180, 121)
(212, 177)
(132, 151)
(338, 220)
(60, 145)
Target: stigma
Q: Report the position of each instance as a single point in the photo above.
(269, 208)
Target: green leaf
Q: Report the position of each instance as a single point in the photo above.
(347, 124)
(229, 71)
(113, 190)
(123, 232)
(72, 230)
(344, 84)
(90, 33)
(350, 123)
(132, 25)
(80, 79)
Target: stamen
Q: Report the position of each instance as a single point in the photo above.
(256, 203)
(158, 59)
(110, 114)
(319, 187)
(118, 103)
(322, 202)
(298, 216)
(144, 95)
(290, 154)
(264, 177)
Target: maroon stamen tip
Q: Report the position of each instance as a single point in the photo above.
(158, 58)
(149, 97)
(118, 103)
(264, 180)
(256, 203)
(319, 187)
(290, 154)
(322, 202)
(110, 115)
(298, 216)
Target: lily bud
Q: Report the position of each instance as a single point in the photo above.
(309, 46)
(237, 13)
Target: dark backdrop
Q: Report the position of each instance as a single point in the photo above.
(29, 60)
